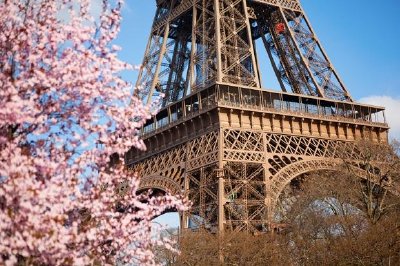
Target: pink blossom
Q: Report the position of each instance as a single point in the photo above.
(60, 96)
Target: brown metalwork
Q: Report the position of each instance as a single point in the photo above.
(220, 139)
(195, 43)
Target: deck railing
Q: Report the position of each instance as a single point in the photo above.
(252, 99)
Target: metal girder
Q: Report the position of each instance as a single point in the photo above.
(296, 54)
(182, 7)
(222, 45)
(229, 146)
(176, 63)
(166, 60)
(238, 64)
(154, 54)
(196, 43)
(204, 54)
(234, 150)
(242, 193)
(314, 56)
(287, 4)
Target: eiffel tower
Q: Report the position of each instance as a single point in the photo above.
(221, 139)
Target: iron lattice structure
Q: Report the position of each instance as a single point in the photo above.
(229, 145)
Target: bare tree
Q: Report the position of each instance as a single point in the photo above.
(379, 183)
(350, 215)
(347, 216)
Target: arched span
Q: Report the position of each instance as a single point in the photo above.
(160, 186)
(291, 171)
(162, 183)
(288, 173)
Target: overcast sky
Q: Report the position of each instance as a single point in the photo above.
(361, 37)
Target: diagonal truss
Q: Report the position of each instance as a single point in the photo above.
(230, 147)
(237, 58)
(297, 55)
(203, 70)
(196, 43)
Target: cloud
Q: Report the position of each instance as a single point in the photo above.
(392, 112)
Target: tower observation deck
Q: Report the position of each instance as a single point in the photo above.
(221, 139)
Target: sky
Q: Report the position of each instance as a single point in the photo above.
(361, 37)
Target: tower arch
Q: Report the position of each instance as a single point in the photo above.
(290, 172)
(164, 184)
(220, 138)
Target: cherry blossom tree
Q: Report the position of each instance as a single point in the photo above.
(64, 112)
